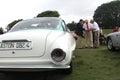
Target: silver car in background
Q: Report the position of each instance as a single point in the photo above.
(113, 41)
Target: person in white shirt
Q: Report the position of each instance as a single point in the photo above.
(96, 33)
(88, 34)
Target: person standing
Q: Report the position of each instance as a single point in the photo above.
(79, 31)
(1, 30)
(96, 33)
(88, 34)
(116, 29)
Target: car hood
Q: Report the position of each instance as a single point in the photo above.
(36, 37)
(114, 33)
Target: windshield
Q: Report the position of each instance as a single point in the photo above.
(38, 23)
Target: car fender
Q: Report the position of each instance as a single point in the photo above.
(60, 41)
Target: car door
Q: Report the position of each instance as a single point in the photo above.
(68, 35)
(118, 35)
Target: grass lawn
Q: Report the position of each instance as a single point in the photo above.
(96, 64)
(93, 64)
(107, 31)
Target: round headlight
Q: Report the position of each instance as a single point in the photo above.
(58, 55)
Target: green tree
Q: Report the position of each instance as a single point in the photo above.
(108, 14)
(1, 30)
(49, 14)
(72, 25)
(13, 23)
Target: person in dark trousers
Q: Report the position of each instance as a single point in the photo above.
(79, 31)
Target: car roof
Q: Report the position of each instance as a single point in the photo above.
(38, 18)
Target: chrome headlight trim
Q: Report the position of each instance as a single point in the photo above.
(58, 55)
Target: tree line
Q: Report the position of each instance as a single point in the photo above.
(107, 15)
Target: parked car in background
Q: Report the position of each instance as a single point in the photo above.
(113, 41)
(37, 44)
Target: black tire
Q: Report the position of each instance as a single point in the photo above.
(110, 45)
(68, 70)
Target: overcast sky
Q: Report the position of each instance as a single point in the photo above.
(70, 10)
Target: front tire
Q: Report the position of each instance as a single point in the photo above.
(110, 45)
(67, 71)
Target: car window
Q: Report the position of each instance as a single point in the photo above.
(65, 28)
(36, 24)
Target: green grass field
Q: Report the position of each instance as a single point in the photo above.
(93, 64)
(107, 31)
(96, 64)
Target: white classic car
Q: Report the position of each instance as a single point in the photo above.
(37, 44)
(113, 41)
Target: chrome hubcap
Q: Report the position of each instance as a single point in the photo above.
(109, 44)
